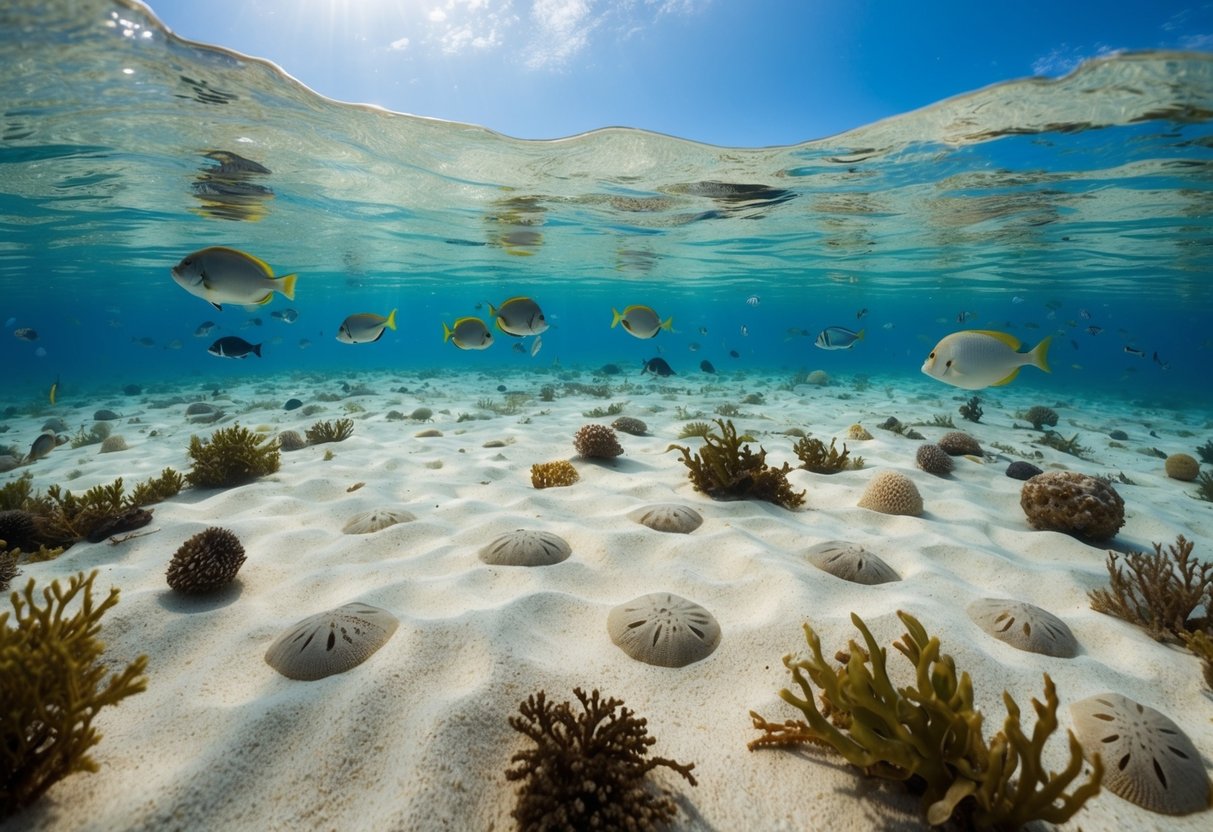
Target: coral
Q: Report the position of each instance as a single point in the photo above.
(626, 424)
(1157, 592)
(18, 529)
(291, 440)
(934, 460)
(929, 735)
(207, 561)
(233, 456)
(971, 410)
(724, 469)
(553, 474)
(1066, 501)
(97, 433)
(587, 770)
(53, 684)
(1040, 415)
(892, 493)
(816, 457)
(1201, 646)
(421, 414)
(156, 489)
(858, 432)
(322, 432)
(1205, 489)
(113, 443)
(1205, 452)
(700, 429)
(958, 443)
(597, 442)
(1069, 446)
(8, 565)
(942, 420)
(1182, 467)
(1020, 470)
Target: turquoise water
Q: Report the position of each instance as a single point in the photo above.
(1033, 207)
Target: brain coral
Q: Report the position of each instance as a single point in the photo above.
(626, 424)
(1073, 503)
(1182, 467)
(206, 562)
(597, 442)
(892, 493)
(958, 443)
(934, 460)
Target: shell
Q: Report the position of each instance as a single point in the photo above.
(376, 519)
(524, 547)
(663, 629)
(1148, 760)
(1024, 626)
(331, 642)
(851, 562)
(668, 517)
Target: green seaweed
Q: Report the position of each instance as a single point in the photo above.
(328, 431)
(53, 684)
(725, 469)
(233, 456)
(929, 735)
(816, 457)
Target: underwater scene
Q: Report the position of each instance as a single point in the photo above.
(360, 470)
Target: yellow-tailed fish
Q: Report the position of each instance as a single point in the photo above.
(641, 321)
(225, 275)
(976, 359)
(468, 333)
(54, 390)
(365, 327)
(519, 316)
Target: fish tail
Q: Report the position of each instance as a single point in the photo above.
(287, 286)
(391, 320)
(1040, 355)
(447, 332)
(859, 335)
(668, 325)
(257, 350)
(616, 317)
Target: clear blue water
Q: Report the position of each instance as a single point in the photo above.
(1033, 207)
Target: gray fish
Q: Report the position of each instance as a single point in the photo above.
(837, 338)
(658, 367)
(204, 329)
(41, 447)
(25, 334)
(519, 316)
(233, 347)
(221, 275)
(365, 327)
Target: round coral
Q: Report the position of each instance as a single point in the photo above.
(597, 442)
(291, 440)
(858, 432)
(1041, 415)
(892, 493)
(934, 460)
(1073, 503)
(1182, 467)
(207, 561)
(958, 443)
(626, 424)
(18, 530)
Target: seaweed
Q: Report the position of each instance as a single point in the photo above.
(971, 410)
(700, 429)
(613, 409)
(1158, 592)
(929, 735)
(942, 420)
(53, 685)
(587, 770)
(1205, 452)
(1204, 487)
(328, 431)
(1040, 415)
(725, 469)
(1070, 446)
(233, 456)
(815, 457)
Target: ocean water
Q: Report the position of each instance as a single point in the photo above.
(1080, 208)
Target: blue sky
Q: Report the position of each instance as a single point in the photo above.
(739, 73)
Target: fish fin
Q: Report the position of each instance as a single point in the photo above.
(1010, 340)
(447, 332)
(288, 283)
(859, 335)
(1040, 354)
(390, 323)
(668, 324)
(257, 350)
(1008, 379)
(616, 317)
(217, 306)
(380, 335)
(261, 264)
(269, 296)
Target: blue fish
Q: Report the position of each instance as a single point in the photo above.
(838, 338)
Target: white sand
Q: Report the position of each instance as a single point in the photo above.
(417, 736)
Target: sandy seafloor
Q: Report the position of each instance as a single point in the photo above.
(417, 737)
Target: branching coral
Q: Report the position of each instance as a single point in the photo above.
(1205, 452)
(1201, 646)
(550, 474)
(971, 410)
(232, 456)
(816, 457)
(322, 432)
(700, 429)
(1040, 415)
(725, 469)
(929, 735)
(1158, 592)
(1204, 487)
(587, 770)
(53, 684)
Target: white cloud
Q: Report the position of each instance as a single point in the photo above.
(399, 45)
(436, 16)
(1065, 59)
(561, 30)
(1201, 42)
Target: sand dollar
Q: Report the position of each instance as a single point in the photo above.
(851, 562)
(524, 547)
(331, 642)
(1024, 627)
(376, 519)
(668, 517)
(663, 629)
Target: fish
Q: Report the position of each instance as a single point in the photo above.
(41, 446)
(796, 332)
(641, 321)
(221, 275)
(536, 345)
(365, 327)
(1017, 299)
(753, 300)
(304, 343)
(251, 322)
(468, 333)
(1073, 343)
(658, 367)
(706, 366)
(837, 338)
(287, 316)
(1160, 362)
(703, 330)
(1084, 314)
(518, 347)
(1095, 330)
(961, 317)
(519, 316)
(204, 329)
(1135, 351)
(889, 325)
(145, 341)
(174, 344)
(232, 346)
(693, 346)
(975, 359)
(861, 313)
(25, 334)
(734, 354)
(55, 389)
(745, 331)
